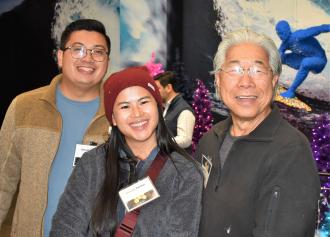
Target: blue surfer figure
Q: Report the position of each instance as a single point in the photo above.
(304, 54)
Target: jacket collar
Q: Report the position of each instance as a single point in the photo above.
(174, 101)
(50, 95)
(263, 132)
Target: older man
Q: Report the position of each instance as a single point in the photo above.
(261, 178)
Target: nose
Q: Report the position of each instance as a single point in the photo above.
(88, 55)
(246, 80)
(136, 111)
(247, 71)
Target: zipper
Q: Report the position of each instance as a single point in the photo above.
(272, 209)
(219, 172)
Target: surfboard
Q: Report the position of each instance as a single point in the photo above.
(292, 102)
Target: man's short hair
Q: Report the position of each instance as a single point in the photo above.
(248, 36)
(166, 78)
(84, 24)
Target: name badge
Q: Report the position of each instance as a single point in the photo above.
(207, 167)
(80, 150)
(138, 194)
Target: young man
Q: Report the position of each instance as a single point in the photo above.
(45, 127)
(263, 179)
(178, 114)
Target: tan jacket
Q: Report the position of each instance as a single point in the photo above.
(30, 136)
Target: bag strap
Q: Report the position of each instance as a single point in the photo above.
(127, 225)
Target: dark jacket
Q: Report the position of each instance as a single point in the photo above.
(268, 187)
(175, 213)
(178, 104)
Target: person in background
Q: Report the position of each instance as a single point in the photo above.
(178, 114)
(261, 177)
(90, 204)
(44, 128)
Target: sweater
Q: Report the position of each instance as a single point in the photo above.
(30, 135)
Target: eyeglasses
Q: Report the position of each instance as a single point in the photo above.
(80, 51)
(255, 71)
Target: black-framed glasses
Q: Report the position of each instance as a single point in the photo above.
(79, 51)
(254, 71)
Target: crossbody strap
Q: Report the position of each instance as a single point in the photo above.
(127, 225)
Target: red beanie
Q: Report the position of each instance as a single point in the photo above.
(133, 76)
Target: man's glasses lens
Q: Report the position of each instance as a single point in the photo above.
(80, 51)
(253, 71)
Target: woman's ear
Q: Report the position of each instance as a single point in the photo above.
(113, 121)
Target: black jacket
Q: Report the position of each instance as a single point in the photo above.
(178, 104)
(268, 187)
(175, 213)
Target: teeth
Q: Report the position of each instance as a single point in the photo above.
(86, 69)
(246, 97)
(139, 124)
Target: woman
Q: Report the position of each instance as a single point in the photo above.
(90, 204)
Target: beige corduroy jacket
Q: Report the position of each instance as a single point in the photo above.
(29, 139)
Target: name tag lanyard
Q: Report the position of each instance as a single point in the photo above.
(126, 227)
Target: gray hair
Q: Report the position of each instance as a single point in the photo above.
(248, 36)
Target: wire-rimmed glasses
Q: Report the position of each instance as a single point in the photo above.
(79, 51)
(254, 71)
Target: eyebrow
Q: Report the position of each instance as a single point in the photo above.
(142, 98)
(94, 46)
(233, 61)
(255, 62)
(259, 62)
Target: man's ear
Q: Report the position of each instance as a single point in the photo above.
(59, 55)
(216, 76)
(217, 85)
(169, 87)
(275, 80)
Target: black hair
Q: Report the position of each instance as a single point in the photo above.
(104, 215)
(84, 24)
(166, 78)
